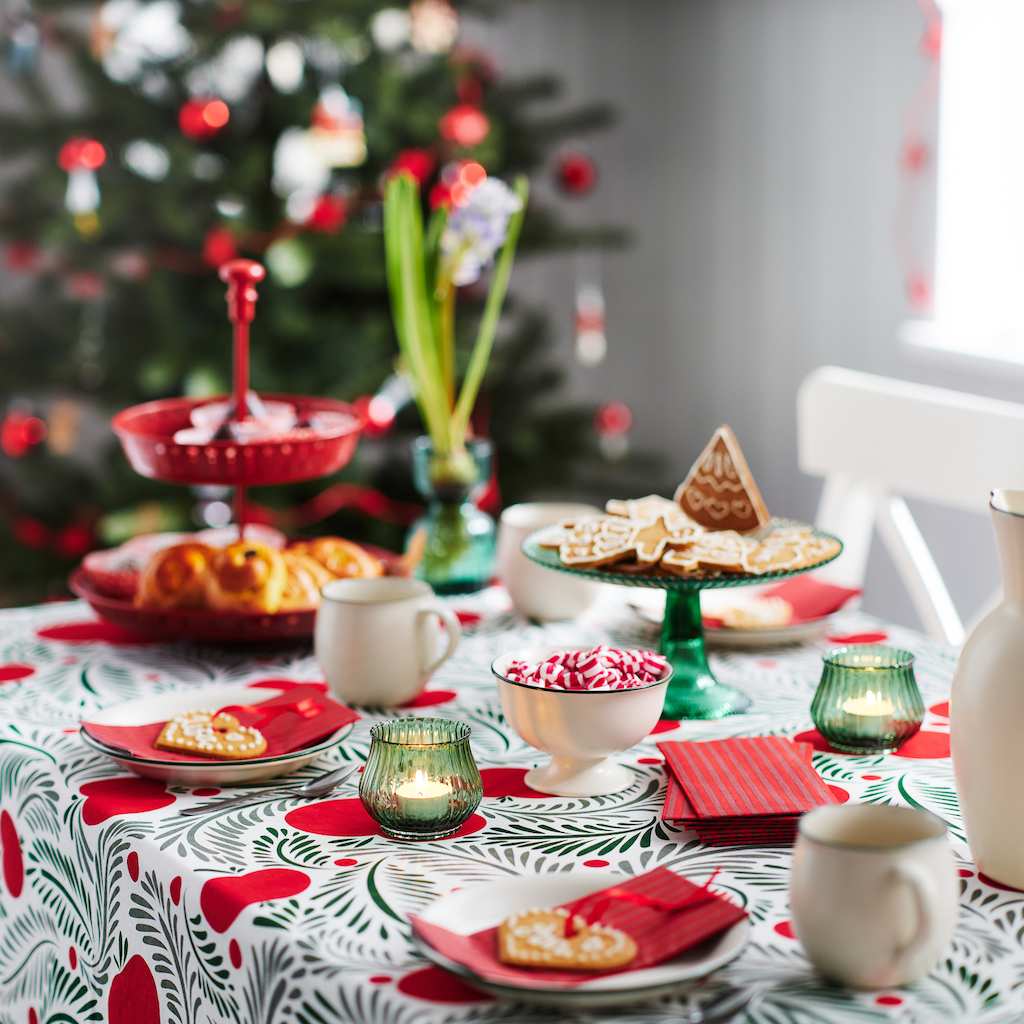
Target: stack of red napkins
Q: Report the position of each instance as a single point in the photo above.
(659, 934)
(290, 721)
(742, 791)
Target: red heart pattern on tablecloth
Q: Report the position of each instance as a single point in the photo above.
(9, 673)
(225, 897)
(923, 744)
(132, 998)
(349, 818)
(95, 632)
(13, 863)
(108, 797)
(499, 782)
(436, 986)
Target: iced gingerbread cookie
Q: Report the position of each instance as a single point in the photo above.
(598, 541)
(719, 491)
(647, 508)
(208, 735)
(536, 938)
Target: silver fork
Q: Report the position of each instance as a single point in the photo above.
(312, 790)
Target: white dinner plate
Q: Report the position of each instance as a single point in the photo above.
(163, 706)
(650, 605)
(477, 907)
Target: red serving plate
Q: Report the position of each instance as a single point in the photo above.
(208, 626)
(146, 433)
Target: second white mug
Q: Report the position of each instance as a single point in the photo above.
(874, 893)
(538, 592)
(377, 639)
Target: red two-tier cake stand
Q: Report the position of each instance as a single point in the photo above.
(146, 433)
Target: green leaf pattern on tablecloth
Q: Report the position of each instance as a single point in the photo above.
(310, 958)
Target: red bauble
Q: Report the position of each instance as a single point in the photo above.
(79, 153)
(465, 125)
(30, 532)
(202, 119)
(576, 173)
(21, 256)
(219, 246)
(74, 540)
(417, 162)
(613, 419)
(19, 433)
(328, 216)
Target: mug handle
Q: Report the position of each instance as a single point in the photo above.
(452, 627)
(922, 888)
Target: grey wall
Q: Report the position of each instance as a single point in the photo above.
(757, 163)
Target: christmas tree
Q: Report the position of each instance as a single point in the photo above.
(179, 135)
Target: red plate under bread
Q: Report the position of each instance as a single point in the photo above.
(146, 433)
(209, 626)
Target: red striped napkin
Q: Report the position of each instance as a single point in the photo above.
(659, 934)
(290, 721)
(747, 790)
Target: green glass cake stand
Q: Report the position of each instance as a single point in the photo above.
(694, 692)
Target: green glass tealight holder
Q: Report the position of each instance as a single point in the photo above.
(867, 701)
(420, 780)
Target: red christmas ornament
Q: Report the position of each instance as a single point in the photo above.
(85, 286)
(417, 162)
(74, 540)
(30, 532)
(219, 246)
(79, 153)
(919, 291)
(613, 419)
(202, 119)
(576, 173)
(19, 433)
(465, 125)
(22, 257)
(328, 216)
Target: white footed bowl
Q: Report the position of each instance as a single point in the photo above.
(580, 729)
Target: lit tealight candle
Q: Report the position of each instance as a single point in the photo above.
(421, 798)
(871, 705)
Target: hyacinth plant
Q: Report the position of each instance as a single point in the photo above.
(425, 269)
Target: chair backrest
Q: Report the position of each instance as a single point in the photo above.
(877, 441)
(917, 441)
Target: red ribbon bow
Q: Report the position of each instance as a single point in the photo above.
(696, 898)
(305, 708)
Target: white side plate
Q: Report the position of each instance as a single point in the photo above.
(163, 706)
(477, 907)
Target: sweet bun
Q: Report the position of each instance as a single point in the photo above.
(246, 576)
(176, 577)
(340, 557)
(305, 578)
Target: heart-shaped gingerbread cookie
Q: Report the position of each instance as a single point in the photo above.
(536, 938)
(207, 734)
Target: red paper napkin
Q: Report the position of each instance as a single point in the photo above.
(659, 934)
(743, 791)
(811, 598)
(289, 721)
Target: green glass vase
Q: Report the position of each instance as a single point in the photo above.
(420, 780)
(458, 557)
(867, 701)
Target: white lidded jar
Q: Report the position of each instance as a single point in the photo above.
(987, 712)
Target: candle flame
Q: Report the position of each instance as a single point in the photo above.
(420, 782)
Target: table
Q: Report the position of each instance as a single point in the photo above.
(115, 909)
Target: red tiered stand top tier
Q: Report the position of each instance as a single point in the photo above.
(146, 432)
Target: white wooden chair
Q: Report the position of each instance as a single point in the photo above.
(876, 441)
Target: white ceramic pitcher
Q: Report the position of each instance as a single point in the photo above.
(987, 712)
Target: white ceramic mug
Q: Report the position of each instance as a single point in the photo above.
(538, 592)
(874, 893)
(376, 639)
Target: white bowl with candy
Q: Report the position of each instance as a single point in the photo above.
(582, 706)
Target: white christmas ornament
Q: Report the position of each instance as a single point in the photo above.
(298, 164)
(390, 29)
(285, 66)
(232, 73)
(591, 343)
(142, 34)
(434, 26)
(147, 159)
(83, 194)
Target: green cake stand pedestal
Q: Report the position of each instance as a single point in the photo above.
(694, 692)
